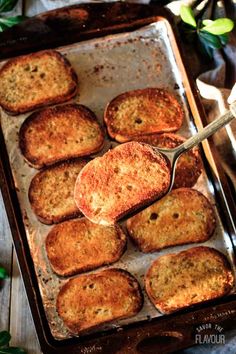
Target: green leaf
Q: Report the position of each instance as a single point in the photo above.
(7, 5)
(3, 275)
(219, 26)
(211, 40)
(224, 38)
(2, 28)
(207, 22)
(12, 350)
(204, 49)
(5, 338)
(187, 15)
(11, 21)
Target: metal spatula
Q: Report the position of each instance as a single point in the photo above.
(172, 155)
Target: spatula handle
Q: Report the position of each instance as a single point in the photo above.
(209, 129)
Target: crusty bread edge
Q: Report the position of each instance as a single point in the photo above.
(52, 221)
(165, 247)
(158, 249)
(135, 137)
(137, 207)
(226, 265)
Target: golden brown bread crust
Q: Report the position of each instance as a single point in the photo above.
(120, 181)
(183, 216)
(175, 281)
(90, 300)
(35, 80)
(189, 165)
(76, 246)
(60, 133)
(139, 112)
(51, 192)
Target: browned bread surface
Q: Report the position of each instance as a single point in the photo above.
(59, 133)
(175, 281)
(51, 192)
(146, 111)
(90, 300)
(121, 180)
(78, 245)
(35, 80)
(183, 216)
(189, 165)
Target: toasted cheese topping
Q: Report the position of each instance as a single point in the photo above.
(139, 112)
(60, 133)
(179, 280)
(35, 80)
(121, 180)
(79, 245)
(93, 299)
(183, 216)
(51, 192)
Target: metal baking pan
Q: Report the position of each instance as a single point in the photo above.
(146, 54)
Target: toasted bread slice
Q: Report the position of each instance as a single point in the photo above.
(35, 80)
(189, 165)
(78, 245)
(51, 192)
(60, 133)
(120, 181)
(139, 112)
(183, 216)
(90, 300)
(175, 281)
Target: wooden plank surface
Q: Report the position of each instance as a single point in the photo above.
(15, 314)
(32, 7)
(16, 11)
(6, 262)
(21, 324)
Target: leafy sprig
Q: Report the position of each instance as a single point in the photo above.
(5, 338)
(3, 275)
(10, 21)
(6, 22)
(7, 5)
(209, 34)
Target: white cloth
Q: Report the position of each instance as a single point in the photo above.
(232, 96)
(211, 87)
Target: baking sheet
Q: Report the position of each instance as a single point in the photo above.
(107, 67)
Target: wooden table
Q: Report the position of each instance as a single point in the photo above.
(15, 314)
